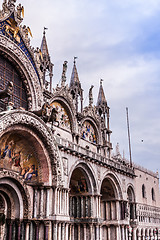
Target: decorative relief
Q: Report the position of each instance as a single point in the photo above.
(62, 116)
(65, 166)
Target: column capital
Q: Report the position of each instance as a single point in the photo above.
(47, 223)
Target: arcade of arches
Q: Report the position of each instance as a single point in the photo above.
(59, 176)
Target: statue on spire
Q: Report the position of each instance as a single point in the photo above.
(63, 80)
(91, 96)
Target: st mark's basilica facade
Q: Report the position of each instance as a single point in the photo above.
(59, 178)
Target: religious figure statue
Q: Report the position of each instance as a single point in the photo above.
(64, 73)
(6, 93)
(91, 96)
(20, 12)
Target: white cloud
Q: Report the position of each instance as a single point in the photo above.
(117, 41)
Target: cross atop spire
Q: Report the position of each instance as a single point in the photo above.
(75, 86)
(101, 96)
(74, 77)
(44, 47)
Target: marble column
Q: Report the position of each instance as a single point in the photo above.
(48, 202)
(27, 230)
(151, 234)
(55, 231)
(117, 211)
(19, 230)
(147, 234)
(84, 232)
(60, 201)
(118, 233)
(67, 202)
(41, 202)
(109, 233)
(122, 229)
(143, 234)
(55, 201)
(73, 232)
(70, 232)
(59, 231)
(100, 235)
(79, 231)
(139, 234)
(66, 231)
(97, 232)
(57, 206)
(10, 230)
(78, 207)
(91, 231)
(63, 231)
(126, 230)
(130, 233)
(134, 233)
(86, 206)
(82, 206)
(92, 211)
(35, 202)
(99, 206)
(37, 230)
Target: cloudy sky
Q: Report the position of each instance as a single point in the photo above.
(118, 41)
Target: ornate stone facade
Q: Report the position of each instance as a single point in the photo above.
(59, 177)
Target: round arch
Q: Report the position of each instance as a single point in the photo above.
(115, 184)
(16, 198)
(68, 106)
(131, 193)
(94, 125)
(40, 136)
(17, 57)
(88, 173)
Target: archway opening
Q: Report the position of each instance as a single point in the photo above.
(14, 209)
(131, 203)
(80, 194)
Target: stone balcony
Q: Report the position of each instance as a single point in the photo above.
(84, 153)
(148, 214)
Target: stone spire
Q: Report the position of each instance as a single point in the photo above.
(75, 87)
(46, 64)
(74, 77)
(101, 96)
(63, 78)
(44, 47)
(91, 96)
(103, 111)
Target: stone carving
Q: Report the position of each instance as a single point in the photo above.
(34, 92)
(7, 8)
(64, 74)
(6, 93)
(91, 96)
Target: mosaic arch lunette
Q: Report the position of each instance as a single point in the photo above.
(88, 132)
(18, 155)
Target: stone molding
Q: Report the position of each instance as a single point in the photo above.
(32, 84)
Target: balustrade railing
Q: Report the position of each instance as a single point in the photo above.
(88, 154)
